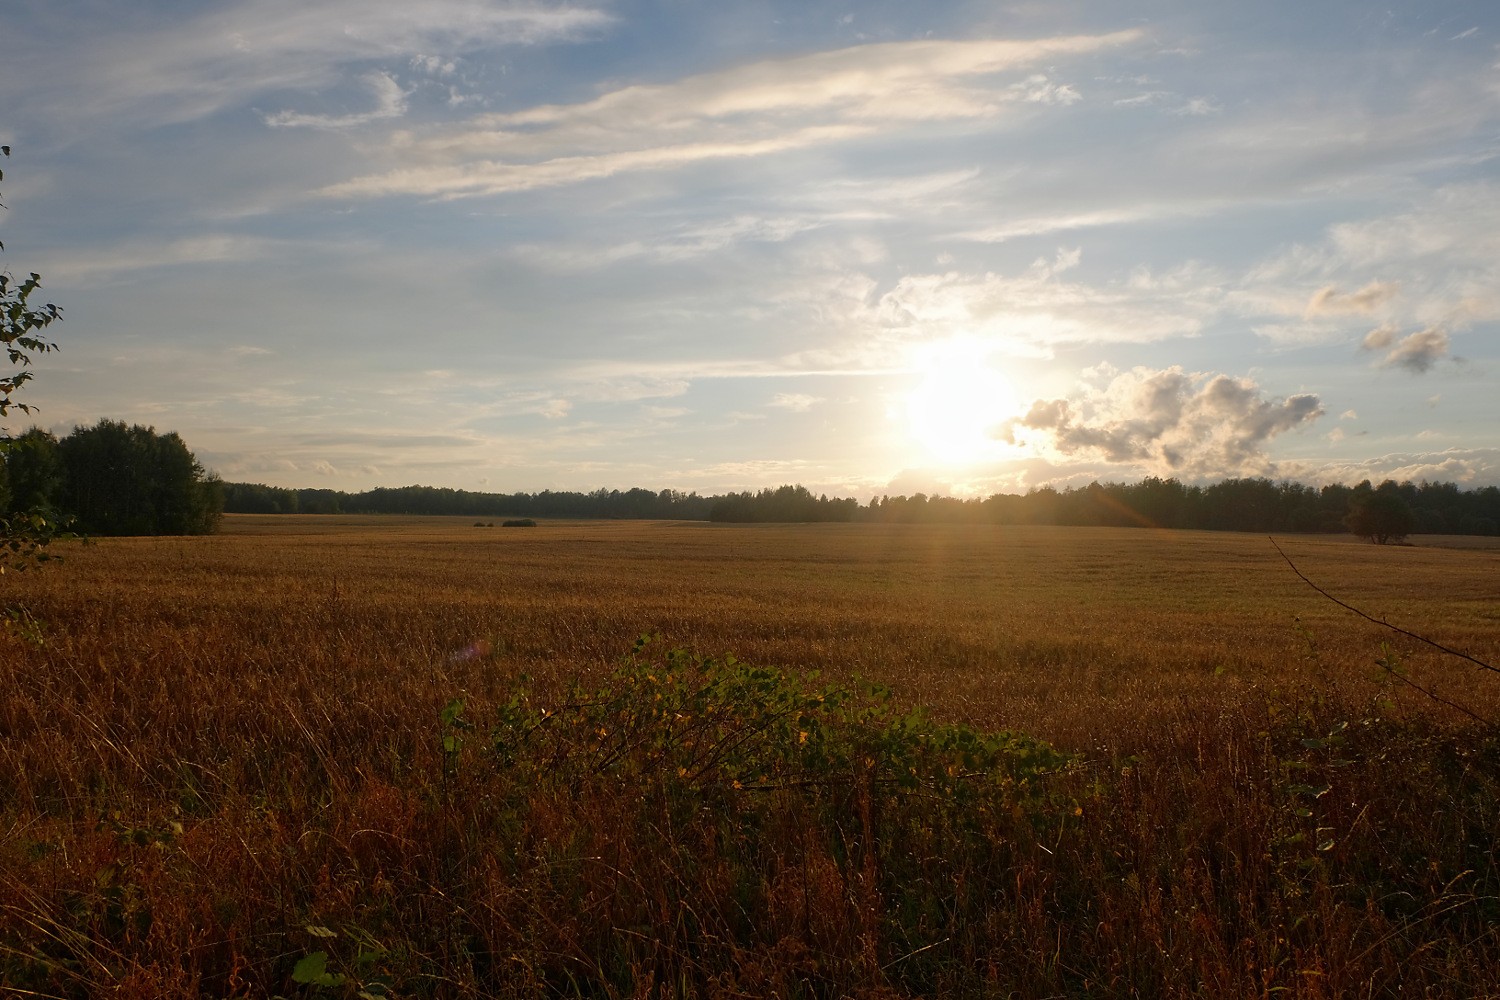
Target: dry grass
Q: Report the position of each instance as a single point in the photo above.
(208, 745)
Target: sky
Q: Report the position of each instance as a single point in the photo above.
(869, 247)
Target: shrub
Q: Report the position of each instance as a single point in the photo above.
(766, 811)
(519, 522)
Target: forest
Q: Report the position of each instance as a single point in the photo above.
(1252, 504)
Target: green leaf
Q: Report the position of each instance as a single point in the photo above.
(313, 970)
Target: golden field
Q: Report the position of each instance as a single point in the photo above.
(210, 745)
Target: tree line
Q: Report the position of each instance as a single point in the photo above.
(1254, 504)
(256, 498)
(110, 479)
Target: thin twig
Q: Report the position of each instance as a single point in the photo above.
(1377, 621)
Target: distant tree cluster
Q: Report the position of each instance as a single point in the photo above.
(111, 479)
(1385, 513)
(785, 504)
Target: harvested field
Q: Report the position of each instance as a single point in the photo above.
(210, 745)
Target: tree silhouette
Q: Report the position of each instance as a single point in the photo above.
(1381, 516)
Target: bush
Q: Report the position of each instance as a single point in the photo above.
(519, 522)
(769, 812)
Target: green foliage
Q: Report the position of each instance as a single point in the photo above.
(706, 726)
(24, 533)
(363, 975)
(739, 772)
(33, 472)
(24, 625)
(21, 326)
(129, 480)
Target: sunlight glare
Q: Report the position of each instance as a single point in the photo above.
(953, 412)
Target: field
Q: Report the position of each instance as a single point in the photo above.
(292, 759)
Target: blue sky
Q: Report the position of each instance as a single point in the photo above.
(868, 247)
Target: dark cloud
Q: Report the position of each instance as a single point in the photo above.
(1170, 421)
(1419, 351)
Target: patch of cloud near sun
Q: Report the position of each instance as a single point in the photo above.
(1168, 422)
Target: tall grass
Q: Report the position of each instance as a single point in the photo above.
(306, 763)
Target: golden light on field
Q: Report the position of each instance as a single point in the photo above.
(953, 412)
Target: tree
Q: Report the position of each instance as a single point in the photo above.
(1382, 516)
(23, 533)
(129, 480)
(33, 473)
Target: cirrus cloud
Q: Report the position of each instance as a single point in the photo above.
(756, 109)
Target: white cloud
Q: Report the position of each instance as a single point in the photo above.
(555, 409)
(489, 177)
(1381, 337)
(1197, 107)
(105, 263)
(678, 244)
(390, 102)
(1039, 308)
(752, 110)
(1329, 300)
(797, 402)
(229, 55)
(1168, 421)
(1466, 466)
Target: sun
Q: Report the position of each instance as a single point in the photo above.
(953, 411)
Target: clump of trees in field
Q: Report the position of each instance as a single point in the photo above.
(111, 479)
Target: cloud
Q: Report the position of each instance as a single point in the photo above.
(797, 402)
(1328, 300)
(679, 244)
(1197, 107)
(1040, 308)
(1168, 421)
(1466, 466)
(555, 409)
(1065, 221)
(489, 177)
(752, 110)
(203, 64)
(1416, 352)
(1380, 338)
(102, 263)
(390, 102)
